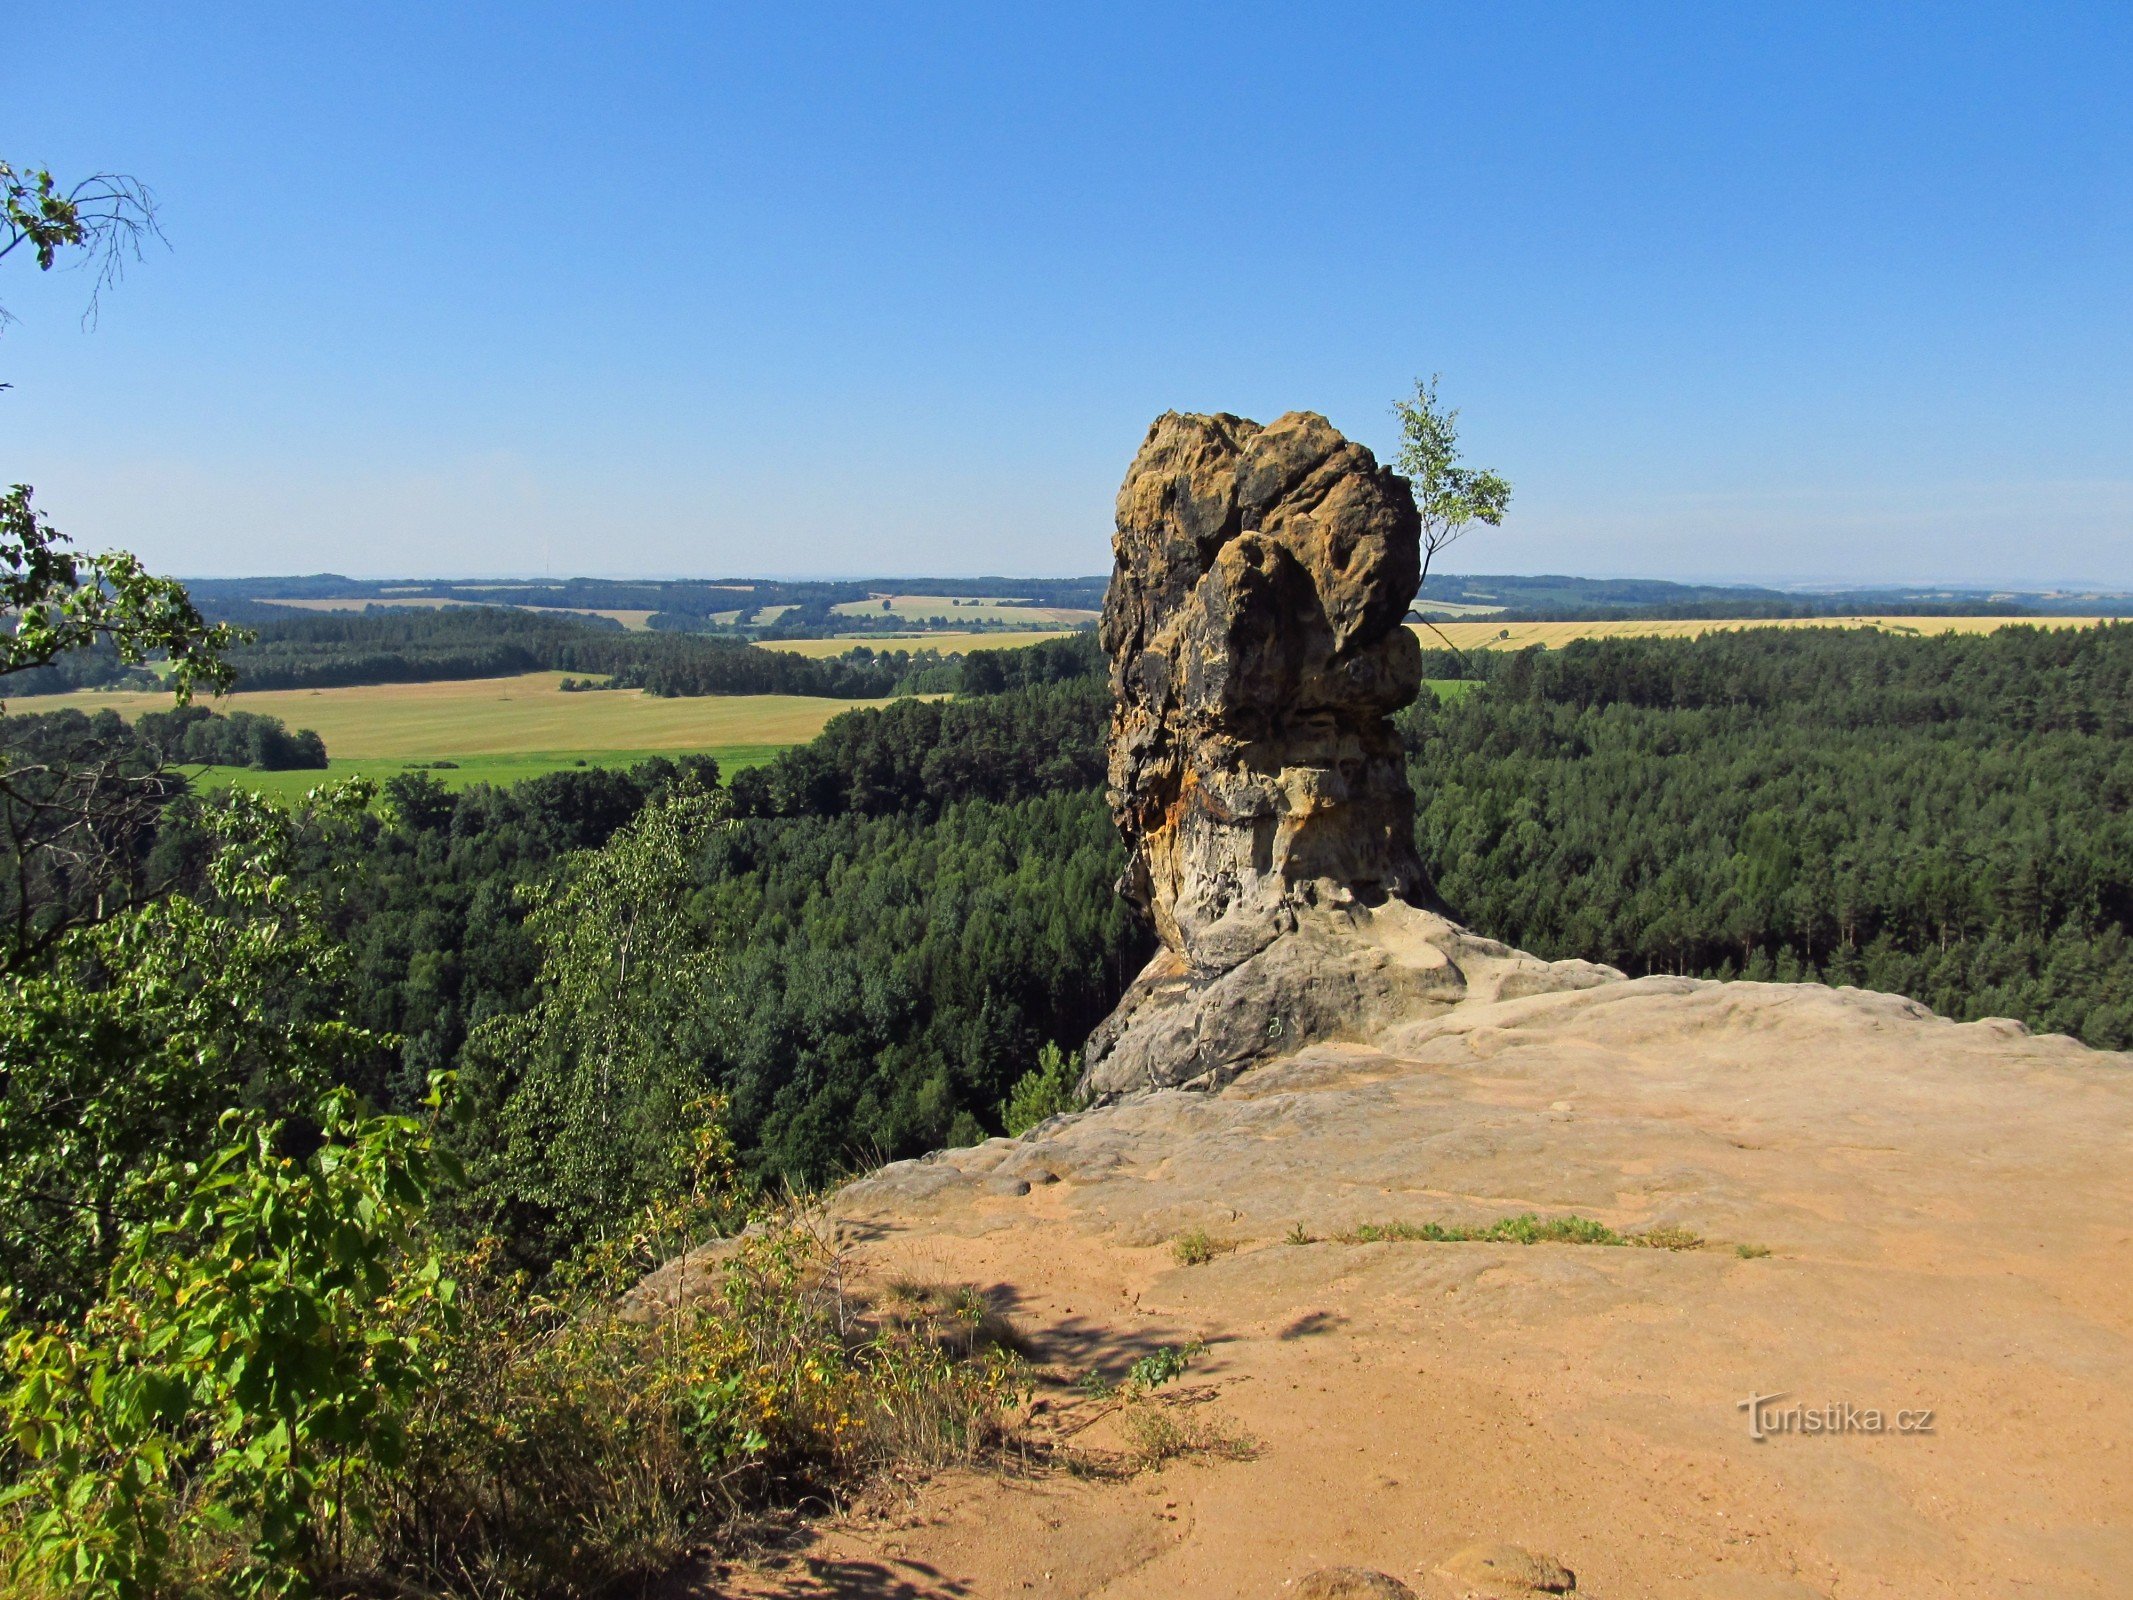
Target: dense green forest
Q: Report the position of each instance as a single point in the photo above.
(907, 910)
(1945, 818)
(484, 642)
(189, 735)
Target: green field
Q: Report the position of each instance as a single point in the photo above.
(499, 730)
(467, 771)
(502, 730)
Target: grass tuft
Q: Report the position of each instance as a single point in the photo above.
(1159, 1434)
(1525, 1228)
(1196, 1247)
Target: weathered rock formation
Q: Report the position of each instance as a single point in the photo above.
(1255, 628)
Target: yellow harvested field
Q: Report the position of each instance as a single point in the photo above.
(503, 716)
(635, 621)
(1518, 635)
(1454, 608)
(956, 608)
(945, 643)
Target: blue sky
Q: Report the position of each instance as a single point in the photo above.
(1786, 292)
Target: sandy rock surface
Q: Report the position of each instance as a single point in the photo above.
(1947, 1212)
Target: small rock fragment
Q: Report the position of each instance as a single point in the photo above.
(1351, 1583)
(1506, 1569)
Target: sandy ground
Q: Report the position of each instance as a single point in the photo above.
(1948, 1216)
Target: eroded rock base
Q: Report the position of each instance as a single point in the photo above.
(1316, 974)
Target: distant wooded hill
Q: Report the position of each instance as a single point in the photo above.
(335, 650)
(762, 608)
(746, 607)
(1564, 599)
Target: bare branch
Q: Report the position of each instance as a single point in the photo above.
(125, 223)
(107, 218)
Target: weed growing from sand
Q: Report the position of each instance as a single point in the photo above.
(1195, 1247)
(1526, 1228)
(1751, 1252)
(1299, 1234)
(1158, 1367)
(1161, 1434)
(1151, 1371)
(1156, 1425)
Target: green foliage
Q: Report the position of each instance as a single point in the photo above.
(1159, 1367)
(921, 756)
(198, 737)
(569, 1449)
(898, 975)
(107, 214)
(1195, 1247)
(594, 1083)
(1049, 1089)
(1451, 498)
(72, 819)
(62, 602)
(228, 1405)
(136, 1033)
(37, 214)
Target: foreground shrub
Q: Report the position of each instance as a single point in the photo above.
(283, 1395)
(232, 1405)
(1049, 1089)
(578, 1445)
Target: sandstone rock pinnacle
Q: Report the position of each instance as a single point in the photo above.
(1255, 628)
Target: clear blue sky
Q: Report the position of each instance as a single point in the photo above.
(1732, 291)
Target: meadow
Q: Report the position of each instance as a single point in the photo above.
(1519, 635)
(499, 730)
